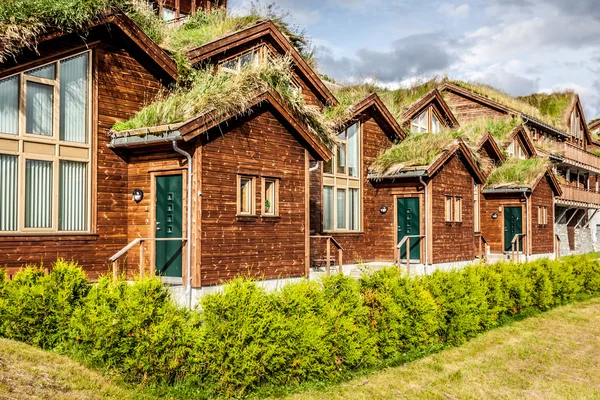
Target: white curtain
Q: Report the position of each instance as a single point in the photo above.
(327, 208)
(73, 202)
(9, 105)
(8, 192)
(353, 150)
(38, 194)
(40, 99)
(47, 71)
(354, 210)
(73, 99)
(341, 209)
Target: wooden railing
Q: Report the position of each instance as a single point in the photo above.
(484, 247)
(579, 155)
(557, 246)
(398, 250)
(114, 260)
(515, 244)
(340, 260)
(574, 194)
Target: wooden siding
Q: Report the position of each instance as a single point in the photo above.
(266, 247)
(493, 229)
(123, 86)
(542, 237)
(467, 110)
(452, 241)
(377, 238)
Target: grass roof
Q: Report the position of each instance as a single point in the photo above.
(515, 172)
(417, 150)
(224, 93)
(554, 105)
(23, 21)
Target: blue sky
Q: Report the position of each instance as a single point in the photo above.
(520, 46)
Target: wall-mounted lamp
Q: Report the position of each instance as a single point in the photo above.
(494, 216)
(138, 195)
(383, 209)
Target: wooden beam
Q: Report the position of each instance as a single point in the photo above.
(142, 262)
(328, 256)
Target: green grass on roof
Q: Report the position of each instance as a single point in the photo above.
(500, 129)
(224, 93)
(553, 105)
(414, 151)
(515, 172)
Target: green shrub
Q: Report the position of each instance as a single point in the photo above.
(587, 271)
(461, 295)
(496, 295)
(402, 313)
(37, 307)
(135, 330)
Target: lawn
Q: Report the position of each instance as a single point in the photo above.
(29, 373)
(555, 355)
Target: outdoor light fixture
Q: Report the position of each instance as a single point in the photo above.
(494, 216)
(383, 209)
(138, 195)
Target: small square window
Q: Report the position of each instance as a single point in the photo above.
(457, 209)
(448, 210)
(270, 196)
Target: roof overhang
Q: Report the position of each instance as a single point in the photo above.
(372, 104)
(506, 190)
(434, 97)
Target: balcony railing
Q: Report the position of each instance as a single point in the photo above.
(573, 196)
(580, 157)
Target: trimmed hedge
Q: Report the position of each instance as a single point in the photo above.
(245, 338)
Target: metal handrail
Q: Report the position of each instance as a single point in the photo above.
(515, 241)
(330, 240)
(115, 257)
(406, 239)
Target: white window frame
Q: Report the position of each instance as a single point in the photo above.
(274, 211)
(260, 55)
(27, 146)
(341, 180)
(425, 125)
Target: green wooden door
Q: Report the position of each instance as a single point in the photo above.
(513, 224)
(169, 213)
(409, 224)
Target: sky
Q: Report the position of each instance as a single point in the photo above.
(519, 46)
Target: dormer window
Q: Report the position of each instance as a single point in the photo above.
(249, 58)
(576, 128)
(427, 121)
(515, 149)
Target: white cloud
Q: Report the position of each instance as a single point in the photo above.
(455, 11)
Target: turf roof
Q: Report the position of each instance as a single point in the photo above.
(515, 172)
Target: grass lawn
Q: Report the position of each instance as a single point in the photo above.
(555, 355)
(29, 373)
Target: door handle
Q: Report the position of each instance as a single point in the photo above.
(158, 225)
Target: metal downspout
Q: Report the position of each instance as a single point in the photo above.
(188, 289)
(425, 225)
(316, 167)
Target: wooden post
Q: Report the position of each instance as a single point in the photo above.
(142, 261)
(480, 252)
(115, 269)
(340, 256)
(328, 272)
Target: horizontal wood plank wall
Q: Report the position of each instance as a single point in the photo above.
(452, 241)
(376, 240)
(493, 229)
(467, 110)
(268, 247)
(542, 237)
(124, 86)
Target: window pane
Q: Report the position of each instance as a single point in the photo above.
(168, 14)
(247, 59)
(353, 163)
(47, 71)
(328, 166)
(354, 210)
(245, 195)
(341, 209)
(269, 197)
(341, 159)
(435, 123)
(327, 208)
(38, 194)
(231, 64)
(74, 99)
(40, 99)
(73, 200)
(8, 192)
(9, 105)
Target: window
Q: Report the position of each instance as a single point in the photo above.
(45, 150)
(453, 209)
(515, 149)
(542, 215)
(341, 184)
(168, 14)
(270, 196)
(427, 121)
(250, 58)
(576, 128)
(246, 203)
(476, 208)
